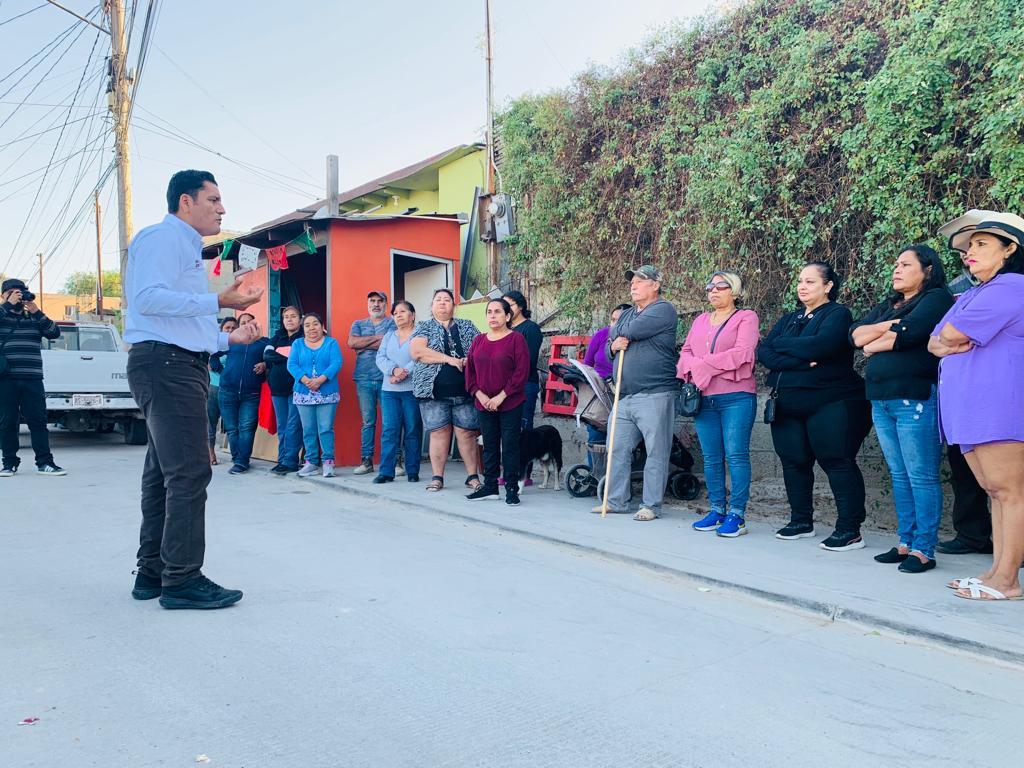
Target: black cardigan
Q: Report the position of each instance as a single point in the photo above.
(278, 378)
(909, 371)
(820, 337)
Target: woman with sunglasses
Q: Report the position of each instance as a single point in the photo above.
(718, 356)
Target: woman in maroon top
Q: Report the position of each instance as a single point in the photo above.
(497, 367)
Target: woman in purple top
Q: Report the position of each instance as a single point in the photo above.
(596, 357)
(981, 398)
(497, 367)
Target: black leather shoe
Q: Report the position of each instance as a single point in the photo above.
(379, 479)
(146, 587)
(914, 565)
(892, 556)
(413, 478)
(958, 547)
(199, 592)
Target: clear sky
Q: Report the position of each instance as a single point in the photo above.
(274, 85)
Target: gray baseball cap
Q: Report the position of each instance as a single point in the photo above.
(647, 272)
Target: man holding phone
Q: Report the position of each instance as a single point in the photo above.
(22, 330)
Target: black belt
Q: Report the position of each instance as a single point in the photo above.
(203, 357)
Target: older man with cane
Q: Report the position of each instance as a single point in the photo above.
(646, 393)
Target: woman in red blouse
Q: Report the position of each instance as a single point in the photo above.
(497, 367)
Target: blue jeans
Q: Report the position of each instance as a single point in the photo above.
(594, 435)
(400, 410)
(908, 431)
(289, 431)
(318, 431)
(239, 413)
(368, 393)
(723, 428)
(213, 414)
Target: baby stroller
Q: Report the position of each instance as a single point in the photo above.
(593, 406)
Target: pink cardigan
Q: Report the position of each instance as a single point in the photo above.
(731, 367)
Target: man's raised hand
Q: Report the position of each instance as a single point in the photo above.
(237, 297)
(245, 334)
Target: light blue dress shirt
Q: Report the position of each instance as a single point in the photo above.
(168, 293)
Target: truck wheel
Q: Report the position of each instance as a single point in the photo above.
(135, 432)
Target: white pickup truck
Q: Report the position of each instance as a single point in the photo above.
(86, 380)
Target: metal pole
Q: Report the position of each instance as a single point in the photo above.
(40, 257)
(99, 260)
(120, 107)
(492, 246)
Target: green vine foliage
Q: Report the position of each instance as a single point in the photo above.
(785, 131)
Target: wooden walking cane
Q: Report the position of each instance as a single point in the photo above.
(611, 435)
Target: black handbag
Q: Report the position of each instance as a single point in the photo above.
(690, 397)
(769, 404)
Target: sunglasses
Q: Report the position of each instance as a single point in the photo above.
(722, 286)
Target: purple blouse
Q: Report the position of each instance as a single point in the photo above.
(596, 357)
(981, 392)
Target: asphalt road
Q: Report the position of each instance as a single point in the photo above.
(374, 634)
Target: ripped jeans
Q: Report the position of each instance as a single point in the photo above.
(908, 432)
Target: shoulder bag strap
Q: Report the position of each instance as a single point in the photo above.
(720, 329)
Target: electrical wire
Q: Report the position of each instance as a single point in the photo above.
(26, 13)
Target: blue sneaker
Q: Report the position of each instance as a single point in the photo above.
(713, 519)
(732, 526)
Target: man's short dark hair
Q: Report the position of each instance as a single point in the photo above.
(186, 183)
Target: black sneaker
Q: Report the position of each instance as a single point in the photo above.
(199, 592)
(483, 493)
(238, 469)
(795, 531)
(960, 547)
(146, 587)
(8, 471)
(51, 469)
(381, 479)
(511, 496)
(413, 478)
(843, 541)
(282, 469)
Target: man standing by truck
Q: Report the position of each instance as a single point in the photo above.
(22, 330)
(171, 324)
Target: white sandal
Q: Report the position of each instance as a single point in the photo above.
(977, 590)
(963, 583)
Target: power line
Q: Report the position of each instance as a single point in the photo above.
(230, 114)
(26, 13)
(42, 182)
(43, 52)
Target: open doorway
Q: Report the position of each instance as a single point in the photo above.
(415, 277)
(303, 284)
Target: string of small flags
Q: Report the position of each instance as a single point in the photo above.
(248, 255)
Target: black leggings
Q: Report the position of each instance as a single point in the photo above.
(830, 434)
(501, 431)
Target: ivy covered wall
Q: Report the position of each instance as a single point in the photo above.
(783, 131)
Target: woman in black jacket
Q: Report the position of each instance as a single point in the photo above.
(901, 377)
(289, 427)
(820, 413)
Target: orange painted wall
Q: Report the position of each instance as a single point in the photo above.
(360, 254)
(257, 278)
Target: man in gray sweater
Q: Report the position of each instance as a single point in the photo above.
(643, 341)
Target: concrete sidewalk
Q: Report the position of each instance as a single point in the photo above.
(840, 585)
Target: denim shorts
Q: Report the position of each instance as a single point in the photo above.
(438, 413)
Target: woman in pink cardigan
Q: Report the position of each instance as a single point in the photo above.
(718, 356)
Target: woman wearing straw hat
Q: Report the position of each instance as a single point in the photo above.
(981, 398)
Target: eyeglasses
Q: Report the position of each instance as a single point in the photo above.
(723, 286)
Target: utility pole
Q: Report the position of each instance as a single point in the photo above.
(40, 302)
(119, 98)
(99, 259)
(492, 246)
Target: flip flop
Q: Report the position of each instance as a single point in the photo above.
(977, 590)
(644, 514)
(963, 583)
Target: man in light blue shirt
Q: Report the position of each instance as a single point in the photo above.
(365, 338)
(171, 323)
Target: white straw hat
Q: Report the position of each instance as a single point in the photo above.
(959, 230)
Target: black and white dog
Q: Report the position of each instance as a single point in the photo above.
(544, 446)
